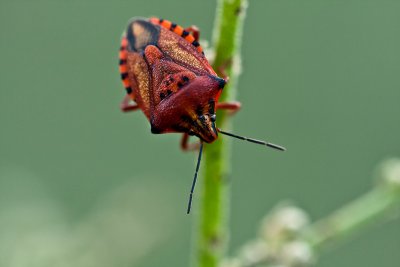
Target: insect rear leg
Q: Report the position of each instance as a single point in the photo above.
(127, 106)
(195, 32)
(185, 146)
(233, 106)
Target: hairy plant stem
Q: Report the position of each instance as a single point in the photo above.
(215, 190)
(353, 217)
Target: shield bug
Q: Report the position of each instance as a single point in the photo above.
(166, 75)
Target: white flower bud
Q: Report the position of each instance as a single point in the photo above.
(254, 252)
(283, 223)
(230, 263)
(296, 254)
(389, 172)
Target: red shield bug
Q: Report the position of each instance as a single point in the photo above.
(167, 76)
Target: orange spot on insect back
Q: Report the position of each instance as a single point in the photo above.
(178, 30)
(189, 38)
(155, 20)
(124, 42)
(126, 83)
(166, 24)
(123, 55)
(200, 49)
(123, 69)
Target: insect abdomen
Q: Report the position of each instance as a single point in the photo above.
(178, 30)
(123, 68)
(141, 33)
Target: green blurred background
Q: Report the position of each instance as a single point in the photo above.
(82, 184)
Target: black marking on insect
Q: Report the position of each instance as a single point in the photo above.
(184, 34)
(124, 75)
(149, 34)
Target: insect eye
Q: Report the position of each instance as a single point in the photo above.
(213, 117)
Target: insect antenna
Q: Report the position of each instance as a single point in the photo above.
(195, 178)
(252, 140)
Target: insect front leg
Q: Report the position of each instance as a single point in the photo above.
(233, 106)
(195, 32)
(185, 146)
(126, 104)
(222, 69)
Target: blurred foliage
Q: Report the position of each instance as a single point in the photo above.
(35, 230)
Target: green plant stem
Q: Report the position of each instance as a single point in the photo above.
(353, 217)
(215, 189)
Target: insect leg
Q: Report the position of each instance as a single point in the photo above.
(126, 104)
(233, 106)
(185, 146)
(222, 69)
(195, 32)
